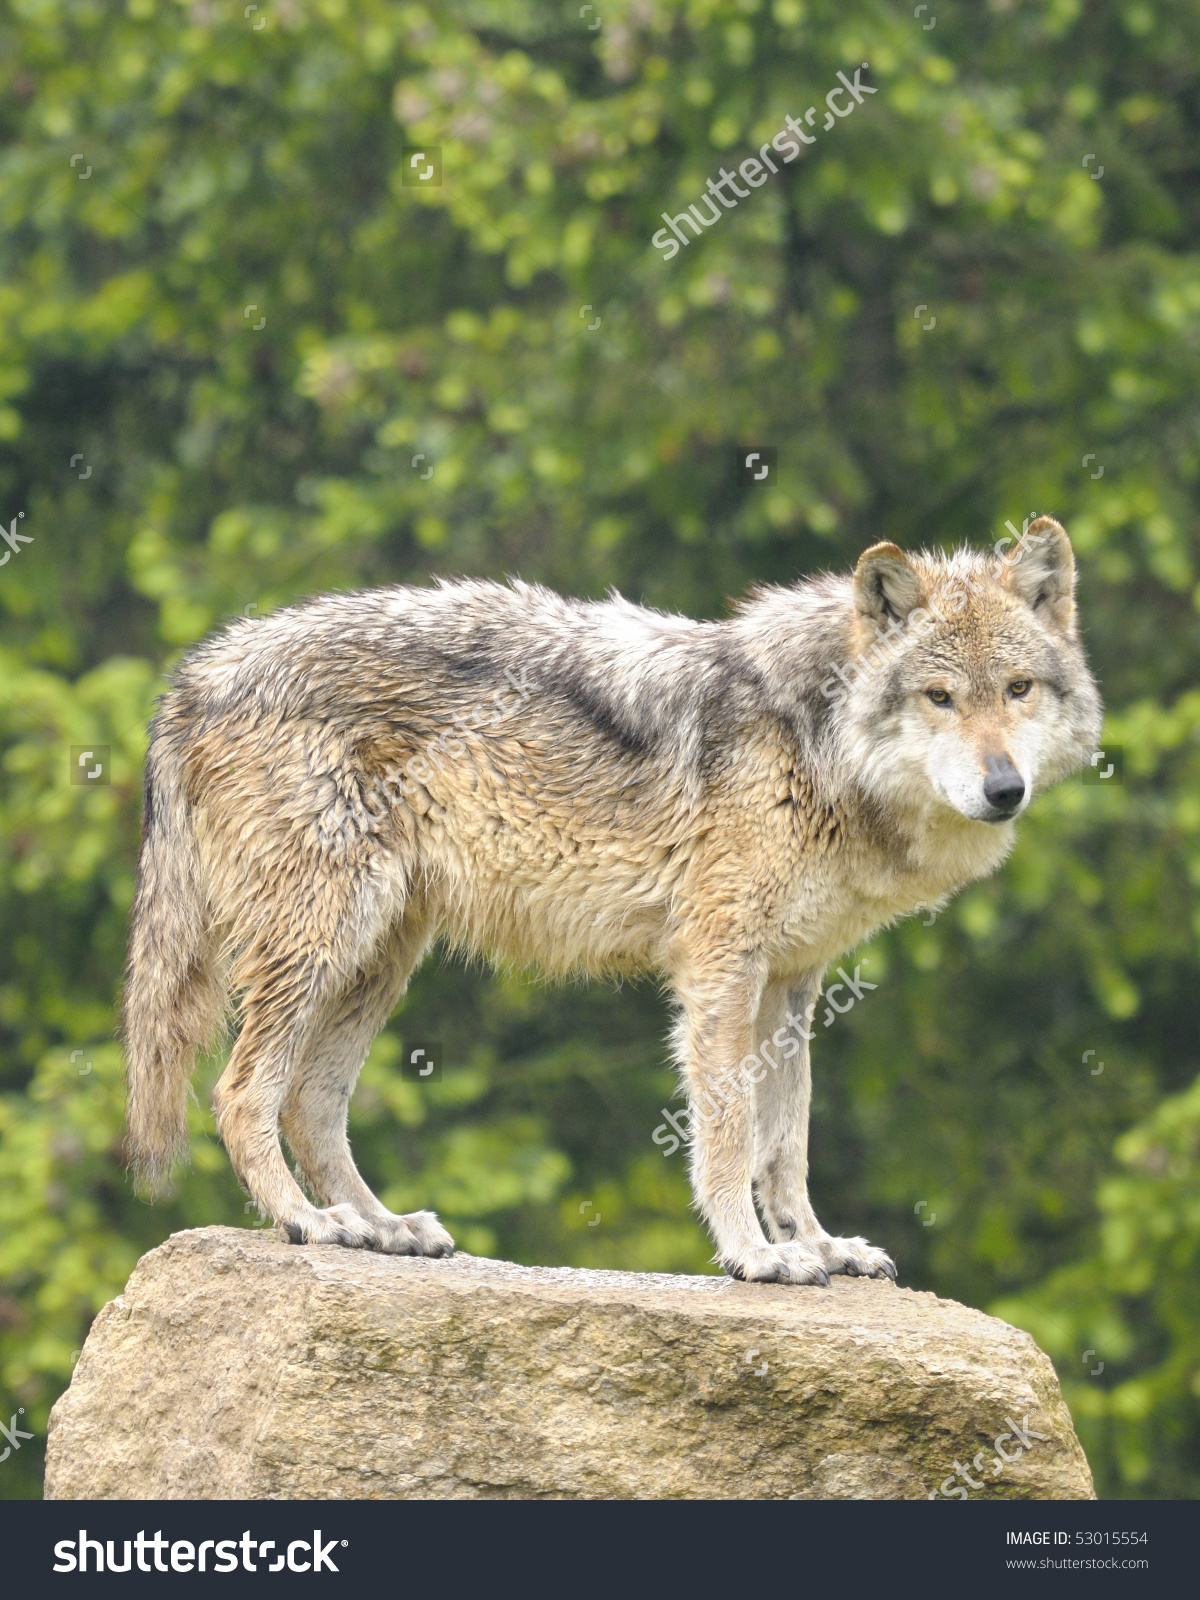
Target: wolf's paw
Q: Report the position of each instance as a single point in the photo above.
(856, 1257)
(338, 1225)
(419, 1234)
(777, 1263)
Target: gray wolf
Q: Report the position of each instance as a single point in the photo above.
(588, 788)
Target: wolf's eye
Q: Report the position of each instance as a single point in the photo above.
(940, 697)
(1020, 687)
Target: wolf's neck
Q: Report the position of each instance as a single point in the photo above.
(930, 853)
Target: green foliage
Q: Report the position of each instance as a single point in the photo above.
(1130, 1311)
(248, 326)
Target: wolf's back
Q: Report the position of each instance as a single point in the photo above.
(174, 998)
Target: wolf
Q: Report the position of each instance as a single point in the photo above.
(584, 787)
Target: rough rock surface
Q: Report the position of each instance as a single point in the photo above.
(237, 1366)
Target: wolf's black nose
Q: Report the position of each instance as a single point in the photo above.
(1004, 787)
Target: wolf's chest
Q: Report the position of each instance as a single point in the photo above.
(838, 902)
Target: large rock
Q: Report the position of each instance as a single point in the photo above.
(237, 1366)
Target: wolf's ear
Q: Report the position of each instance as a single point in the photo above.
(1042, 573)
(885, 585)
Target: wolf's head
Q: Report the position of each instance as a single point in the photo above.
(968, 687)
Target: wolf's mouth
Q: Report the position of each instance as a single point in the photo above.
(1001, 816)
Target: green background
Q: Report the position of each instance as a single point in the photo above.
(1028, 172)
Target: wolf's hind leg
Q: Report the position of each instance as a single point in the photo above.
(278, 1016)
(782, 1097)
(322, 1081)
(311, 927)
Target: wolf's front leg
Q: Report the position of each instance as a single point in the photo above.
(715, 1045)
(782, 1097)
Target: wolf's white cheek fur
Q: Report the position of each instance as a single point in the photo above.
(891, 757)
(1046, 749)
(1030, 748)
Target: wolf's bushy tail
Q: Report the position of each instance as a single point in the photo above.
(174, 999)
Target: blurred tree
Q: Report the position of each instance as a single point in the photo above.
(247, 351)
